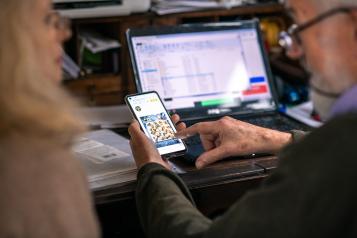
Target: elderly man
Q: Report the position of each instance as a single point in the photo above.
(313, 191)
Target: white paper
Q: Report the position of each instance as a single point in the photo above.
(302, 113)
(101, 172)
(97, 152)
(163, 7)
(104, 171)
(70, 67)
(96, 43)
(106, 117)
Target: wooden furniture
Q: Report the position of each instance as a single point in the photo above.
(109, 89)
(214, 189)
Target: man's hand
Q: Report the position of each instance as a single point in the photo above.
(179, 124)
(144, 150)
(229, 137)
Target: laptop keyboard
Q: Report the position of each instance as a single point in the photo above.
(276, 122)
(193, 140)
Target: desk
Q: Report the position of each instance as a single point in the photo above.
(214, 189)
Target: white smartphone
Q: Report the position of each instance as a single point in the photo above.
(156, 123)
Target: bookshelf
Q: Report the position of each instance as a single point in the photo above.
(108, 88)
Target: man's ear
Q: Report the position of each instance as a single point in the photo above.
(354, 16)
(296, 52)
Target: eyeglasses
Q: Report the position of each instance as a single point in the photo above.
(289, 37)
(55, 20)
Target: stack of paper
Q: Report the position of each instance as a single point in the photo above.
(106, 158)
(163, 7)
(106, 117)
(96, 42)
(303, 113)
(70, 69)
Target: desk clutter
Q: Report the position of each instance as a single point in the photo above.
(104, 78)
(106, 157)
(100, 8)
(163, 7)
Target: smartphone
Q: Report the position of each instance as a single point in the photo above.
(148, 109)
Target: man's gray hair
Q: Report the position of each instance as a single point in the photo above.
(323, 5)
(329, 4)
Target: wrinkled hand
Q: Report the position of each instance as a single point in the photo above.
(179, 124)
(229, 137)
(144, 150)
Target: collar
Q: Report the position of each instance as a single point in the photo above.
(346, 103)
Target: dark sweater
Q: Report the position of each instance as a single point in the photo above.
(313, 193)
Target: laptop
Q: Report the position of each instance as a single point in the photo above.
(207, 71)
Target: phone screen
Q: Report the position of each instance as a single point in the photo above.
(155, 122)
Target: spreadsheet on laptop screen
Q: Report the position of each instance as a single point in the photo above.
(200, 69)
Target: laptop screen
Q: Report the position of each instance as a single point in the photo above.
(212, 70)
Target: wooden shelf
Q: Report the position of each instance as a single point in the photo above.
(269, 8)
(111, 89)
(98, 90)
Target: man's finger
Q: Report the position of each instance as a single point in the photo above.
(209, 157)
(198, 128)
(138, 137)
(175, 118)
(181, 126)
(207, 144)
(134, 129)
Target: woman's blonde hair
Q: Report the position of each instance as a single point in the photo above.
(30, 103)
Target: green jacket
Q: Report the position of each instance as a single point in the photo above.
(313, 193)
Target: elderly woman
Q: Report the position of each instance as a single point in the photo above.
(43, 190)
